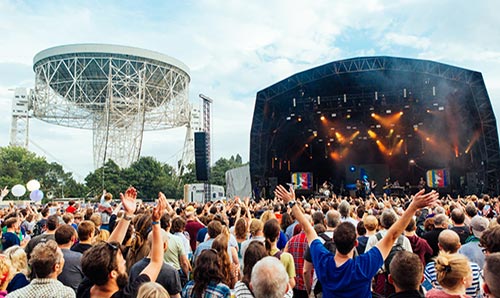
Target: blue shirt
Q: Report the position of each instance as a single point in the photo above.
(351, 279)
(289, 230)
(204, 245)
(10, 239)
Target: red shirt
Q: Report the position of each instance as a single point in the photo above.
(192, 227)
(296, 247)
(70, 209)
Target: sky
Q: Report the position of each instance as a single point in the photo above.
(234, 49)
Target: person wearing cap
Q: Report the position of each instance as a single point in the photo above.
(471, 248)
(193, 225)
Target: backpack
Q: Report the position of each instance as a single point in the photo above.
(39, 227)
(278, 254)
(328, 244)
(395, 249)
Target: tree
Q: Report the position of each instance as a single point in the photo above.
(108, 177)
(18, 166)
(150, 176)
(189, 175)
(218, 171)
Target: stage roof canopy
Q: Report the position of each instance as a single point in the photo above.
(387, 116)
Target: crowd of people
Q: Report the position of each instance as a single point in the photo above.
(421, 245)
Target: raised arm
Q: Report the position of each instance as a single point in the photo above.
(153, 268)
(289, 196)
(128, 202)
(4, 193)
(419, 201)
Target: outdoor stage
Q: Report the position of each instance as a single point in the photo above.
(377, 117)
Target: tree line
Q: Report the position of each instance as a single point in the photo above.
(148, 175)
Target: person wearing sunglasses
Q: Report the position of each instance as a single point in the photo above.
(104, 265)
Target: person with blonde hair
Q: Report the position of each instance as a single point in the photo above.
(256, 228)
(152, 290)
(453, 274)
(5, 274)
(19, 262)
(267, 215)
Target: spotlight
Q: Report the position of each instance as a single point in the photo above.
(352, 168)
(299, 119)
(401, 113)
(322, 118)
(373, 114)
(307, 145)
(288, 118)
(388, 111)
(412, 162)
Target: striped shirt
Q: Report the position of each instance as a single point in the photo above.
(241, 290)
(431, 278)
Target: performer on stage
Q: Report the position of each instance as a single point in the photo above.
(373, 185)
(360, 189)
(367, 187)
(326, 189)
(421, 183)
(387, 186)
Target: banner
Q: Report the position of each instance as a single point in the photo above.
(302, 180)
(438, 178)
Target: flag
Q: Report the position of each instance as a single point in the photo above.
(302, 180)
(437, 178)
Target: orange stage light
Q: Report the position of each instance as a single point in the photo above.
(474, 139)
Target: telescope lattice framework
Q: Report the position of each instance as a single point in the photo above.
(117, 91)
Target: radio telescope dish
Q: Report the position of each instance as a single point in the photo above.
(117, 91)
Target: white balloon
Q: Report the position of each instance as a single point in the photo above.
(33, 185)
(36, 195)
(18, 190)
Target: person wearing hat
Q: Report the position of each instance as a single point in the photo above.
(471, 248)
(193, 225)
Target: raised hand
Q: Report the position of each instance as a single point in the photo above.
(423, 200)
(159, 209)
(129, 200)
(5, 192)
(283, 194)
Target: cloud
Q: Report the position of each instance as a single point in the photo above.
(236, 48)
